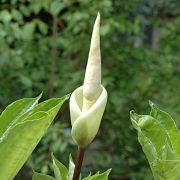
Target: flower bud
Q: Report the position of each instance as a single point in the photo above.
(87, 103)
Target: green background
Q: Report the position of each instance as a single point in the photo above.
(44, 47)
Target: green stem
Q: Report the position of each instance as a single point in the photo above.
(79, 160)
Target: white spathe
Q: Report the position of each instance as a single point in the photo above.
(87, 103)
(92, 80)
(85, 125)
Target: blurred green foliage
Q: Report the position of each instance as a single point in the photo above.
(44, 47)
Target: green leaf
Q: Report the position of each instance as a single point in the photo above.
(71, 168)
(25, 80)
(15, 111)
(166, 170)
(42, 27)
(99, 176)
(28, 30)
(151, 135)
(5, 16)
(23, 123)
(38, 176)
(169, 125)
(60, 171)
(17, 15)
(24, 10)
(160, 141)
(35, 7)
(56, 6)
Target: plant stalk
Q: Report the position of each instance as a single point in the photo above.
(79, 160)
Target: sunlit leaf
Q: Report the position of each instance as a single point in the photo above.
(71, 168)
(99, 176)
(160, 141)
(60, 171)
(38, 176)
(22, 125)
(56, 6)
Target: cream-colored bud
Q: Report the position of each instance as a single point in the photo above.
(88, 102)
(92, 81)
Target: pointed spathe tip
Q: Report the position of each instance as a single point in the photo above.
(92, 81)
(98, 18)
(98, 15)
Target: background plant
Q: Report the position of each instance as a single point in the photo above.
(43, 43)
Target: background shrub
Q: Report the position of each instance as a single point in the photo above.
(44, 47)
